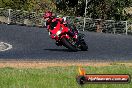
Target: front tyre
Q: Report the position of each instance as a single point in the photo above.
(68, 45)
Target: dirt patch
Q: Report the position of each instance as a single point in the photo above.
(44, 64)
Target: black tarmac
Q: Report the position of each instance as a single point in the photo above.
(34, 43)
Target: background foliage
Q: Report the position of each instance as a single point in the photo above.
(104, 9)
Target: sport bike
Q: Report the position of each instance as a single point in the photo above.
(67, 37)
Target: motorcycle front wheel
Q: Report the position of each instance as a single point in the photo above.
(68, 45)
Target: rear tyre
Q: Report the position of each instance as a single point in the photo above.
(68, 45)
(83, 46)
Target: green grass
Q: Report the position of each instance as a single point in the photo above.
(57, 77)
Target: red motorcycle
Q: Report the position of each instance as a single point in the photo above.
(63, 36)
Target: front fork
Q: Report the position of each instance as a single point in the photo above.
(58, 40)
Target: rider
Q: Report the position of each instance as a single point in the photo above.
(49, 18)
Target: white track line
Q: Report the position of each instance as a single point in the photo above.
(8, 48)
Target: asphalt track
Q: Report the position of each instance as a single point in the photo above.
(34, 43)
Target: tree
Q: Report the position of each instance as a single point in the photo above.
(70, 7)
(13, 4)
(104, 9)
(108, 9)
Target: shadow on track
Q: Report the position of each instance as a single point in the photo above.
(58, 50)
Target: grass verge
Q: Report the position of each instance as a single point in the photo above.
(58, 77)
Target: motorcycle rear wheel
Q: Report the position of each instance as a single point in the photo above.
(83, 46)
